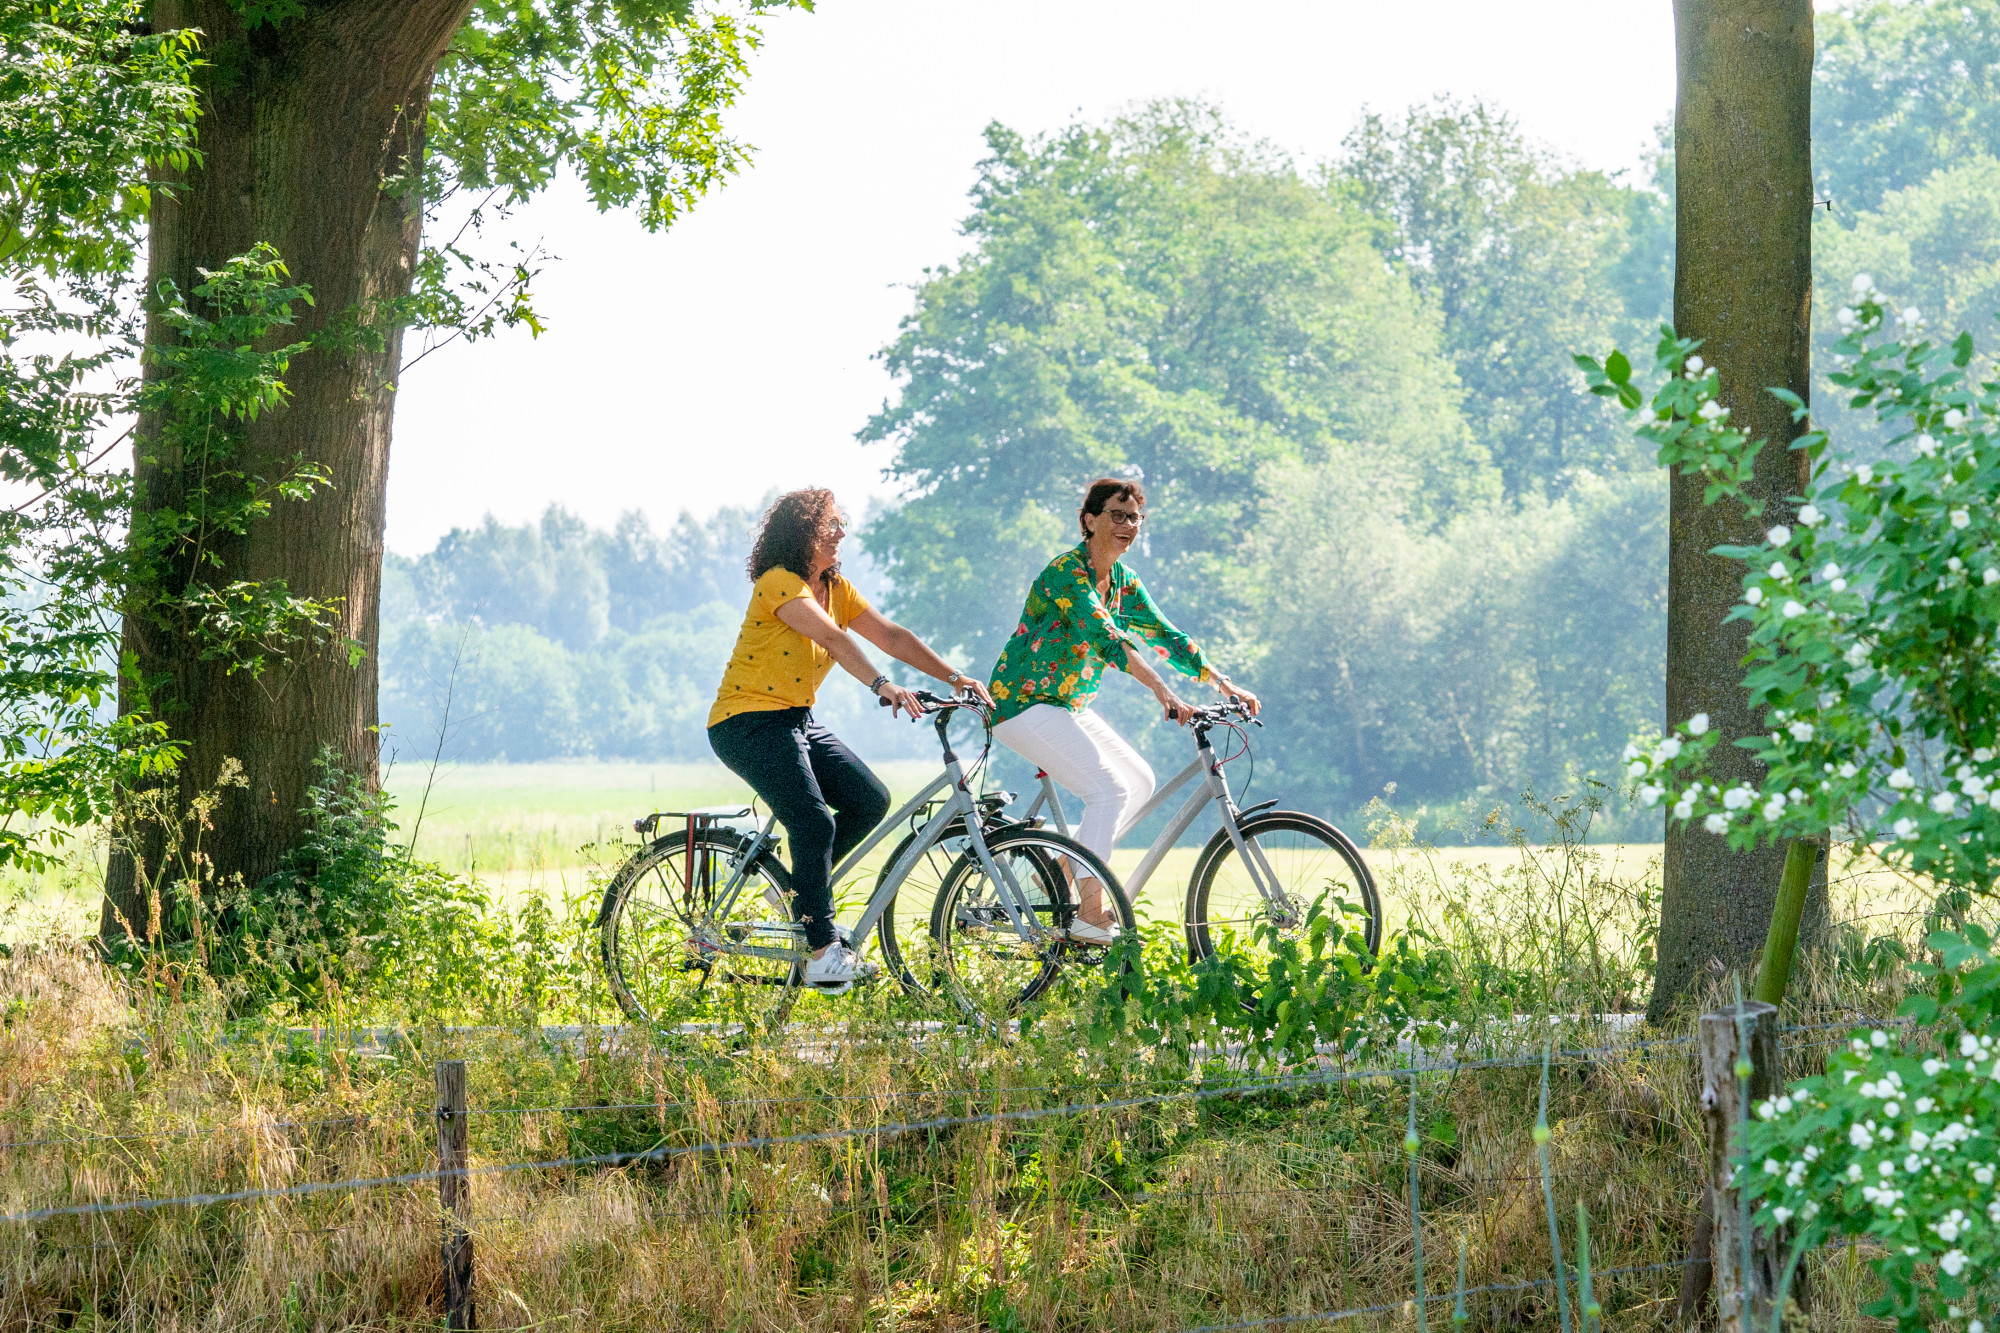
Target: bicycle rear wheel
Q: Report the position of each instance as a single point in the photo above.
(986, 967)
(1307, 857)
(662, 943)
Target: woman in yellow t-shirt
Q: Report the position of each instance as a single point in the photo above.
(797, 627)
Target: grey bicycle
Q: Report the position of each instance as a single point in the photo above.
(1263, 866)
(707, 903)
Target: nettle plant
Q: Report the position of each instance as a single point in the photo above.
(1873, 616)
(1900, 1140)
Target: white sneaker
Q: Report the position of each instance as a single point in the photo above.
(1082, 932)
(832, 973)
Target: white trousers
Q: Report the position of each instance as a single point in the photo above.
(1083, 753)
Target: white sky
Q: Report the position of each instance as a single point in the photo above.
(705, 365)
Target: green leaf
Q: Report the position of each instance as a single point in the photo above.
(1617, 368)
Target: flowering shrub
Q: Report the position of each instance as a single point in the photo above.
(1873, 618)
(1900, 1140)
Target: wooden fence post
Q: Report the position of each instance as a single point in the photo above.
(1747, 1268)
(454, 1197)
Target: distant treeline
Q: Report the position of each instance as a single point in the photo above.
(1378, 491)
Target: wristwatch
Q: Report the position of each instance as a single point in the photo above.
(956, 678)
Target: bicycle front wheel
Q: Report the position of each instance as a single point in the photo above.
(986, 965)
(665, 934)
(1306, 857)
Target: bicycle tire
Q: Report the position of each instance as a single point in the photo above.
(661, 965)
(985, 972)
(1300, 848)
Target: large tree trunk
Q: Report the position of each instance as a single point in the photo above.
(1743, 284)
(302, 125)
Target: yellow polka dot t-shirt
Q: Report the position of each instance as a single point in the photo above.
(773, 665)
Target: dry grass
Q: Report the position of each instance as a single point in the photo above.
(1163, 1216)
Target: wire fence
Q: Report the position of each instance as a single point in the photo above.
(1309, 1080)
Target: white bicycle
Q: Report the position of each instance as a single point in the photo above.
(1262, 867)
(707, 903)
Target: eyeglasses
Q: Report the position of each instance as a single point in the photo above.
(1124, 518)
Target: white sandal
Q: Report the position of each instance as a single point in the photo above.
(1083, 932)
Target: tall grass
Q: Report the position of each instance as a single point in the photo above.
(1183, 1212)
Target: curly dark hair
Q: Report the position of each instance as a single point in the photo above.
(1103, 491)
(789, 531)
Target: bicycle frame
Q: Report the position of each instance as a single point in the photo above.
(959, 803)
(1211, 788)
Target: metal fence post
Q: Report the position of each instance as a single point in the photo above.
(454, 1197)
(1739, 1067)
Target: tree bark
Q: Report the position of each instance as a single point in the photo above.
(302, 125)
(1743, 284)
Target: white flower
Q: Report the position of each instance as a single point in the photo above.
(1779, 536)
(1960, 519)
(1901, 780)
(1778, 570)
(1829, 572)
(1793, 609)
(1781, 1215)
(1967, 1045)
(1953, 1262)
(1924, 1107)
(1857, 655)
(1893, 1109)
(1810, 515)
(1943, 802)
(1983, 1174)
(1716, 823)
(1684, 809)
(1848, 770)
(1982, 755)
(1840, 585)
(1771, 1164)
(1647, 416)
(1711, 410)
(1905, 828)
(1753, 596)
(1631, 753)
(1911, 317)
(1695, 363)
(1993, 798)
(1864, 474)
(1650, 795)
(1926, 445)
(1737, 797)
(1953, 418)
(1990, 577)
(1863, 283)
(1670, 748)
(1955, 564)
(1698, 725)
(1846, 316)
(1932, 1066)
(1801, 731)
(1947, 1230)
(1975, 1327)
(1860, 1138)
(1635, 768)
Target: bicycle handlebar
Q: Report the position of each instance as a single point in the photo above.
(936, 703)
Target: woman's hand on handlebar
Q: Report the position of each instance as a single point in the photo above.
(899, 700)
(1249, 701)
(1177, 711)
(977, 689)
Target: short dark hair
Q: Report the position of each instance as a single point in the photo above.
(1103, 491)
(789, 531)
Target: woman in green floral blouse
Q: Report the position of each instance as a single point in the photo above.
(1086, 612)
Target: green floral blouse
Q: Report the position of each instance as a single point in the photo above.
(1068, 635)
